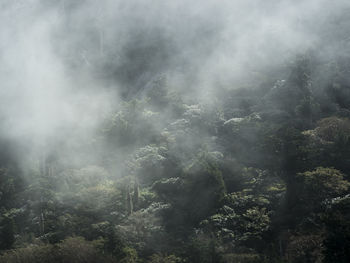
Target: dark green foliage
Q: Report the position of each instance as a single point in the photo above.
(257, 174)
(7, 233)
(305, 248)
(337, 222)
(10, 185)
(71, 250)
(243, 258)
(204, 187)
(320, 184)
(203, 248)
(158, 258)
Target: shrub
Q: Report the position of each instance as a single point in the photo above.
(71, 250)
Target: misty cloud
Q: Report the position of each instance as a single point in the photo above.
(63, 61)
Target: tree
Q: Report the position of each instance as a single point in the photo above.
(314, 187)
(204, 188)
(337, 237)
(7, 232)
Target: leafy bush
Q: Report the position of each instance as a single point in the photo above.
(71, 250)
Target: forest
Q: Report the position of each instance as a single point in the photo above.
(175, 132)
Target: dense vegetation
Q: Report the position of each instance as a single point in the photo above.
(261, 175)
(183, 154)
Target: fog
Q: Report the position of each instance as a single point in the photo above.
(174, 131)
(65, 65)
